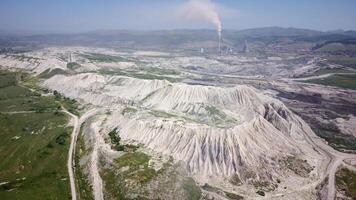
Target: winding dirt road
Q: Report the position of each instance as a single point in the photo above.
(336, 159)
(76, 128)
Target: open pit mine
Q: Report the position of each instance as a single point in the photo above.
(144, 131)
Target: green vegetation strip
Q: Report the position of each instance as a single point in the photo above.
(48, 73)
(96, 57)
(128, 110)
(334, 71)
(160, 71)
(347, 81)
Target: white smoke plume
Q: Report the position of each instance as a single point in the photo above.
(202, 10)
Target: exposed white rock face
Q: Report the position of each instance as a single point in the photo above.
(210, 150)
(31, 62)
(54, 58)
(261, 132)
(104, 90)
(240, 100)
(347, 125)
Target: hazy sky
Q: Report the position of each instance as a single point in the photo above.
(86, 15)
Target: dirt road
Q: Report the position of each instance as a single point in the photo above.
(76, 128)
(338, 160)
(317, 76)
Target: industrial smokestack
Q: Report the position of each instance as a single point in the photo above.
(203, 10)
(246, 49)
(220, 40)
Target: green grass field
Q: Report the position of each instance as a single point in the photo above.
(346, 181)
(344, 61)
(328, 71)
(17, 97)
(96, 57)
(347, 81)
(33, 145)
(7, 79)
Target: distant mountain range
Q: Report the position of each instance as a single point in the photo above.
(176, 38)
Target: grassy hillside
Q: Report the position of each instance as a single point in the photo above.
(344, 61)
(34, 143)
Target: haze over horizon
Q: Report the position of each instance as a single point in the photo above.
(42, 16)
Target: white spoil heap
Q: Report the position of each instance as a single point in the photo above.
(262, 131)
